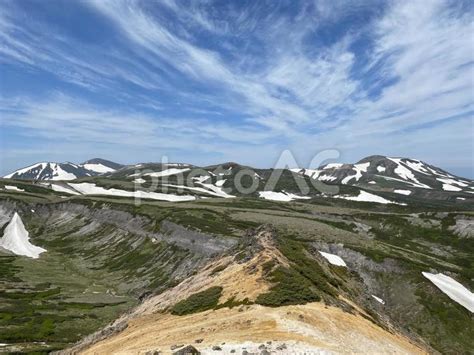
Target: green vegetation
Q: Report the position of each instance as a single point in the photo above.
(208, 221)
(198, 302)
(218, 269)
(291, 288)
(231, 303)
(456, 320)
(398, 231)
(41, 312)
(304, 281)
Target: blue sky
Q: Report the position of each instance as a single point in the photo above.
(212, 81)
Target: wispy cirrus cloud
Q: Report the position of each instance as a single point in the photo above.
(61, 117)
(215, 77)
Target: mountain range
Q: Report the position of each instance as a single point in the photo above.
(372, 179)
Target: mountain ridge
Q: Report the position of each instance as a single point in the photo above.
(375, 179)
(118, 166)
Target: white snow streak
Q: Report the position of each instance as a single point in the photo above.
(13, 188)
(402, 192)
(67, 190)
(359, 168)
(139, 181)
(24, 170)
(452, 182)
(220, 183)
(167, 172)
(405, 173)
(378, 299)
(333, 259)
(280, 196)
(423, 186)
(15, 239)
(217, 190)
(418, 166)
(332, 165)
(365, 196)
(448, 187)
(91, 189)
(452, 289)
(61, 174)
(98, 168)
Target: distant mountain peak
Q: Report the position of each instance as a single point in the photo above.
(104, 162)
(382, 172)
(64, 171)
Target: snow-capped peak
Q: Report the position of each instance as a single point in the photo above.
(398, 173)
(63, 171)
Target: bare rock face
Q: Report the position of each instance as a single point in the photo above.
(192, 240)
(153, 352)
(187, 350)
(255, 240)
(464, 227)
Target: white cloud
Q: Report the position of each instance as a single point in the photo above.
(275, 89)
(62, 118)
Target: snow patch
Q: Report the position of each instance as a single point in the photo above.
(67, 190)
(87, 188)
(280, 196)
(217, 190)
(448, 187)
(378, 299)
(16, 239)
(359, 168)
(60, 174)
(220, 183)
(381, 169)
(423, 186)
(326, 178)
(452, 289)
(365, 196)
(24, 170)
(452, 182)
(98, 168)
(418, 166)
(332, 166)
(201, 179)
(13, 188)
(402, 192)
(333, 259)
(405, 173)
(168, 172)
(312, 173)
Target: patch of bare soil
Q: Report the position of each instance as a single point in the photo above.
(312, 328)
